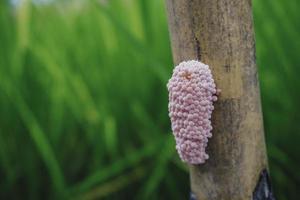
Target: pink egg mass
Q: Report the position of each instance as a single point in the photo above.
(192, 91)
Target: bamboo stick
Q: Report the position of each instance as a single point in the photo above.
(220, 33)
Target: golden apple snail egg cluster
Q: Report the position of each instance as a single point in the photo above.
(192, 92)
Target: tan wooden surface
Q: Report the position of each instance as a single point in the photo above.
(220, 34)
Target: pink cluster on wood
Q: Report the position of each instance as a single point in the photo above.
(192, 92)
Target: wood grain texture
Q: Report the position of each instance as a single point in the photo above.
(220, 34)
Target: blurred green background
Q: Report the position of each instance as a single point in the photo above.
(83, 99)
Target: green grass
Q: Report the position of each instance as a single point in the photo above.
(84, 105)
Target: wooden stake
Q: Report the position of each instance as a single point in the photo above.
(220, 34)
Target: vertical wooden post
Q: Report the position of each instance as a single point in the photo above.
(220, 34)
